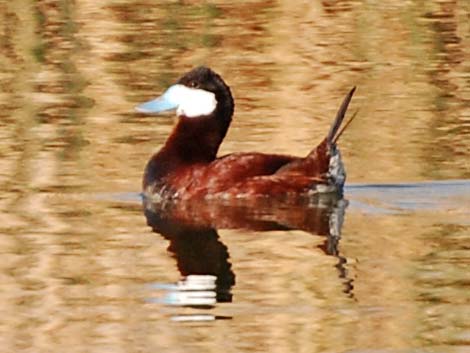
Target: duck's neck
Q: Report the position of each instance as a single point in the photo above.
(192, 141)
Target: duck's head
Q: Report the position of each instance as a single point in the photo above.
(199, 93)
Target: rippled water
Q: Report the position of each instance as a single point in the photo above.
(82, 270)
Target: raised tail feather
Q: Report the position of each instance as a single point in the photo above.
(324, 162)
(336, 173)
(335, 132)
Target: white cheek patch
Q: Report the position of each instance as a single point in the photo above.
(192, 102)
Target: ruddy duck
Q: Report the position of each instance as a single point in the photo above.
(187, 167)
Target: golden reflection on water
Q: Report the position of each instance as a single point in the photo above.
(75, 268)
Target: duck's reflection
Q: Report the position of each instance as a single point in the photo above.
(203, 260)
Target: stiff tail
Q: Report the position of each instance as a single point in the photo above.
(335, 133)
(336, 174)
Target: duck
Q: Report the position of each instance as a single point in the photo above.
(187, 167)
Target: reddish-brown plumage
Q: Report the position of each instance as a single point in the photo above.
(186, 167)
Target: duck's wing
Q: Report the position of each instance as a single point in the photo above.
(256, 174)
(201, 180)
(238, 167)
(277, 186)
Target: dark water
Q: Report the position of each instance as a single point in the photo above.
(386, 271)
